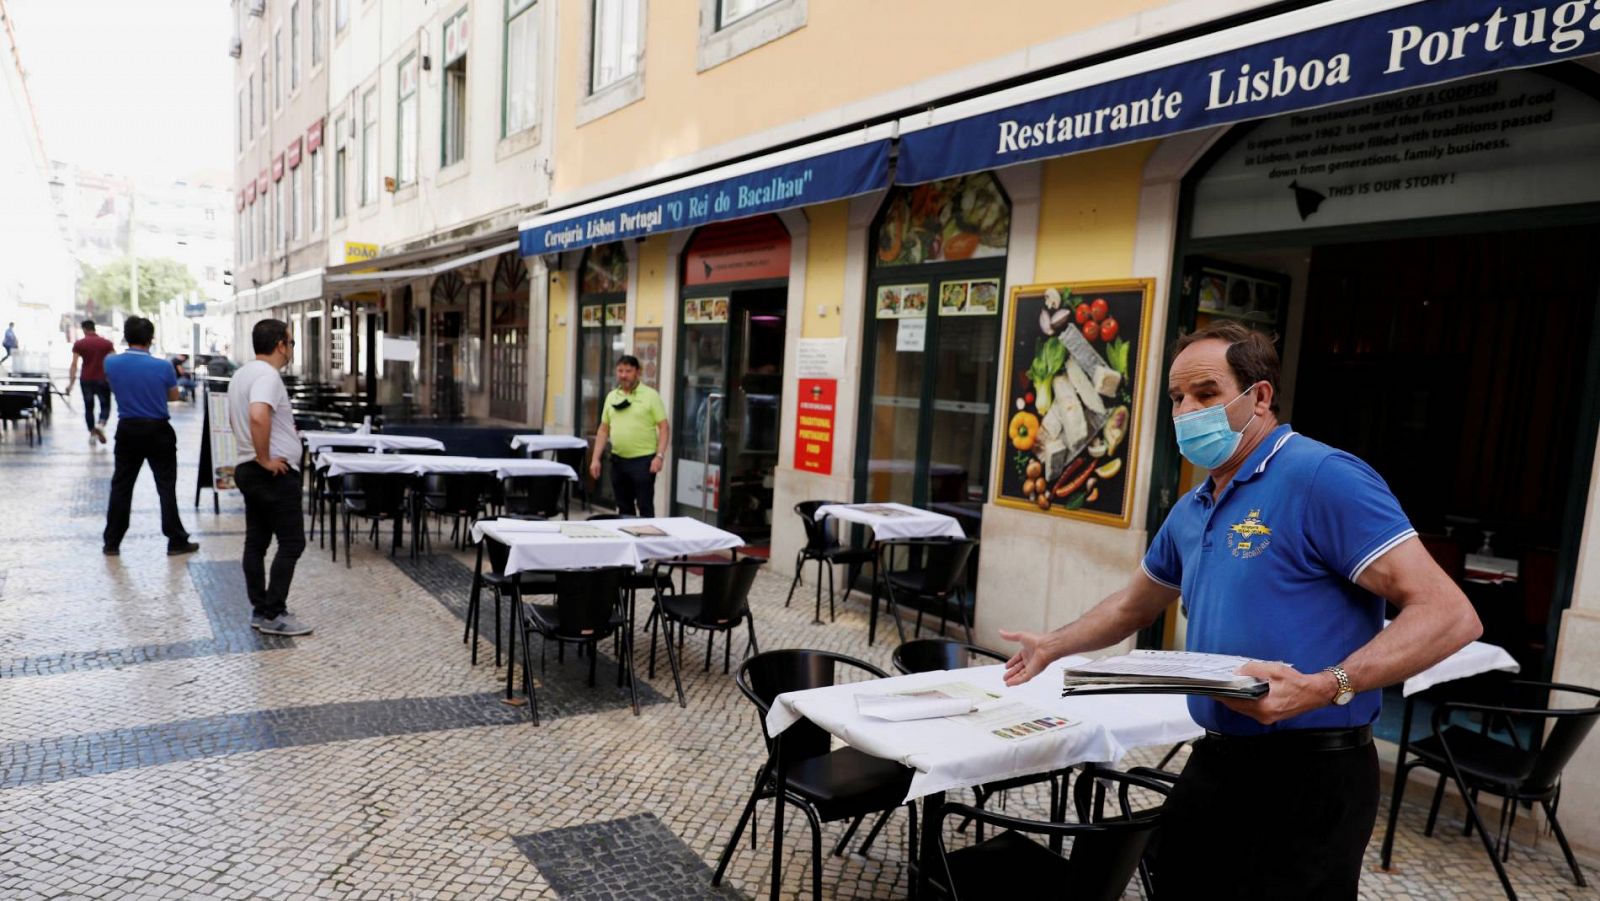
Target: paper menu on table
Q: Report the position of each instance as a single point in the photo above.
(584, 530)
(1014, 721)
(930, 702)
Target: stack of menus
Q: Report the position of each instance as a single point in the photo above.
(1163, 672)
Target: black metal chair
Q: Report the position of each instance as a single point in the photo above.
(499, 582)
(929, 655)
(380, 498)
(937, 578)
(721, 605)
(325, 491)
(589, 607)
(1105, 853)
(1477, 761)
(17, 408)
(456, 495)
(823, 547)
(535, 497)
(828, 785)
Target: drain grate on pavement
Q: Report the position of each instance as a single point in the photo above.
(46, 760)
(634, 857)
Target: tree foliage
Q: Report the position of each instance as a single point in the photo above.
(160, 280)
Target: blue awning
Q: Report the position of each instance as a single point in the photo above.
(1325, 54)
(826, 170)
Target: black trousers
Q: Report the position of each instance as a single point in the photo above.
(1265, 819)
(141, 441)
(92, 389)
(634, 485)
(271, 510)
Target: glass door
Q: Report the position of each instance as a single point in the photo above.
(600, 343)
(702, 395)
(753, 405)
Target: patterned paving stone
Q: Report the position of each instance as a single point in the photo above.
(634, 857)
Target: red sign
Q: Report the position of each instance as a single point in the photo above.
(238, 201)
(277, 168)
(813, 431)
(314, 136)
(294, 153)
(250, 192)
(740, 251)
(263, 183)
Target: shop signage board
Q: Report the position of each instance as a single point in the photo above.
(1513, 140)
(813, 432)
(1326, 54)
(753, 250)
(647, 347)
(819, 358)
(358, 252)
(735, 192)
(1074, 361)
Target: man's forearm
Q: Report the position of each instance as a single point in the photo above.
(601, 436)
(663, 437)
(72, 371)
(261, 439)
(1421, 635)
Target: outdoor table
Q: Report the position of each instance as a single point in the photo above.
(889, 521)
(1487, 570)
(316, 441)
(533, 546)
(1475, 659)
(538, 444)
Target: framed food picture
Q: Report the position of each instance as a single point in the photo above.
(1074, 360)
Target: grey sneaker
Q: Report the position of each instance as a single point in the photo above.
(285, 624)
(257, 621)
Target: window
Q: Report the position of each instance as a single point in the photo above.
(341, 14)
(731, 11)
(241, 237)
(250, 120)
(316, 190)
(294, 46)
(262, 105)
(241, 124)
(261, 227)
(319, 28)
(369, 147)
(280, 220)
(406, 115)
(453, 142)
(296, 204)
(520, 91)
(615, 47)
(340, 168)
(277, 69)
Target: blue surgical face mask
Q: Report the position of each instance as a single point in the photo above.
(1205, 438)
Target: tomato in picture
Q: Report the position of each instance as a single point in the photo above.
(1108, 329)
(1099, 309)
(1081, 313)
(1091, 330)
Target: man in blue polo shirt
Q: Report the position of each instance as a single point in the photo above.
(142, 385)
(1285, 553)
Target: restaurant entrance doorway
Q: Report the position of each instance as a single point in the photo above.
(1455, 353)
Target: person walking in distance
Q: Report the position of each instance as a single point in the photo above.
(269, 447)
(634, 420)
(91, 350)
(9, 342)
(142, 386)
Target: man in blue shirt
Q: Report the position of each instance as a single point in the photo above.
(1285, 554)
(142, 385)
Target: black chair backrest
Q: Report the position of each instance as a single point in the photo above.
(374, 494)
(498, 553)
(573, 457)
(817, 537)
(12, 405)
(725, 589)
(944, 561)
(1571, 727)
(587, 600)
(601, 516)
(929, 655)
(534, 495)
(771, 673)
(454, 491)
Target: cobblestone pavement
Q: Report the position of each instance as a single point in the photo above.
(152, 746)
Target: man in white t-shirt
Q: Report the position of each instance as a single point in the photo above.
(267, 475)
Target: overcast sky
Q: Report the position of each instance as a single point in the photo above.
(131, 87)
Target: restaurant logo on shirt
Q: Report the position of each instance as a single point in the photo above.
(1249, 538)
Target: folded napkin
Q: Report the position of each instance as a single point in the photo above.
(902, 707)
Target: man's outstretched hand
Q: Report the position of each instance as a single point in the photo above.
(1029, 660)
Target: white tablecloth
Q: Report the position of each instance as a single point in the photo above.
(534, 444)
(917, 524)
(338, 464)
(1474, 659)
(949, 754)
(319, 440)
(540, 546)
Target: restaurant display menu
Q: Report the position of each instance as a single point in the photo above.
(1074, 360)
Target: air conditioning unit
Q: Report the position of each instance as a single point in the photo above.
(258, 7)
(235, 47)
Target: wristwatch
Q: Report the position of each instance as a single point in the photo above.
(1345, 692)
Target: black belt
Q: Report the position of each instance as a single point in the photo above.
(1293, 740)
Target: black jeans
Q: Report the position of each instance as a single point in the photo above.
(634, 484)
(141, 441)
(271, 510)
(1256, 819)
(92, 389)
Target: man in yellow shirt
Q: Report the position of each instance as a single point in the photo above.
(634, 420)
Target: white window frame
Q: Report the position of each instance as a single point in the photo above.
(454, 139)
(341, 168)
(524, 14)
(263, 106)
(755, 29)
(408, 129)
(341, 16)
(280, 231)
(318, 187)
(241, 124)
(597, 102)
(370, 178)
(319, 32)
(277, 69)
(297, 186)
(294, 48)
